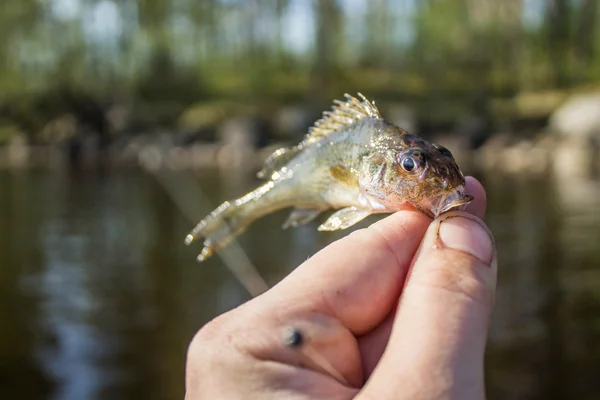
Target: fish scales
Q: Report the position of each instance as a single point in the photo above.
(353, 161)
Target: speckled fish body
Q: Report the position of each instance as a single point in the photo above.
(352, 160)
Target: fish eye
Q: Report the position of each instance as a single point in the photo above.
(409, 164)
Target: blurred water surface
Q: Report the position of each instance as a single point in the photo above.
(100, 297)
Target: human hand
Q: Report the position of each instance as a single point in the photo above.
(397, 310)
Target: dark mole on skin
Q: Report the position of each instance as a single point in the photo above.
(293, 338)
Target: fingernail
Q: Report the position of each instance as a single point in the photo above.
(467, 235)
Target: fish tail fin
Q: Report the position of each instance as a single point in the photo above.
(231, 218)
(219, 228)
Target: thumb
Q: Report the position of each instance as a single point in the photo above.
(437, 344)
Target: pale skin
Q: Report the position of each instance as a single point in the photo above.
(397, 310)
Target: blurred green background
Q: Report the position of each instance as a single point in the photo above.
(123, 122)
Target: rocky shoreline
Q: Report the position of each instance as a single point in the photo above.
(569, 145)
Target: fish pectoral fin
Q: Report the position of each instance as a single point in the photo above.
(301, 216)
(344, 218)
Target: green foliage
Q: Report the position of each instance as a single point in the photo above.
(162, 55)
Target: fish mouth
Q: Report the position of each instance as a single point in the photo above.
(455, 200)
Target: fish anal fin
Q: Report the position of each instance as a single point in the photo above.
(344, 175)
(344, 218)
(301, 216)
(342, 115)
(277, 160)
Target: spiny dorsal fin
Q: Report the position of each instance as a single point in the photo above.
(276, 161)
(342, 115)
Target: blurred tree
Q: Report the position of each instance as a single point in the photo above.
(586, 26)
(281, 7)
(328, 37)
(158, 56)
(18, 24)
(377, 46)
(558, 16)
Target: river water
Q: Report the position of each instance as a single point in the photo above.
(100, 297)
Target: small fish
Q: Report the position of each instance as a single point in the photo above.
(351, 160)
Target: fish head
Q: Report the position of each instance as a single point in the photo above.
(421, 173)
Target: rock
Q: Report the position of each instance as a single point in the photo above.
(18, 151)
(578, 117)
(574, 158)
(503, 152)
(60, 129)
(577, 123)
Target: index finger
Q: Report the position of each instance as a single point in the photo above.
(357, 279)
(373, 343)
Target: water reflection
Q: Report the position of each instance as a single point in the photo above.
(100, 296)
(546, 322)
